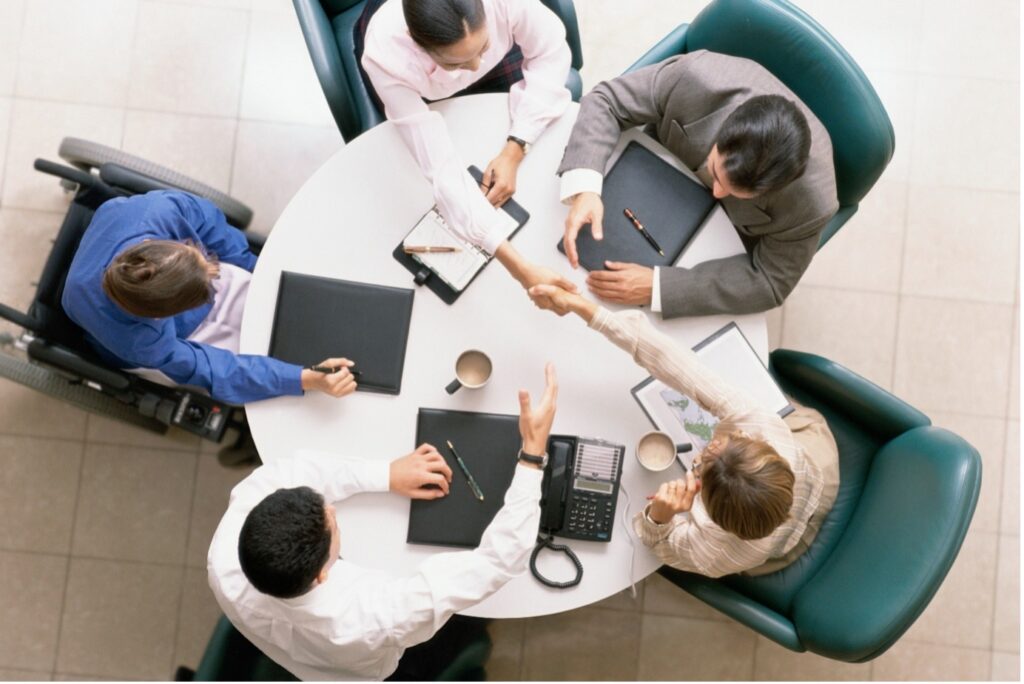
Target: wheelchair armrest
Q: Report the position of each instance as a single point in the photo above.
(878, 411)
(671, 45)
(65, 359)
(18, 318)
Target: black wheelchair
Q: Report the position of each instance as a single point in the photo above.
(51, 354)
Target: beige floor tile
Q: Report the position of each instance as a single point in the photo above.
(108, 431)
(1013, 407)
(959, 40)
(31, 587)
(775, 321)
(12, 22)
(960, 613)
(29, 413)
(119, 619)
(1009, 522)
(953, 354)
(272, 161)
(197, 146)
(7, 675)
(203, 79)
(37, 127)
(775, 663)
(661, 597)
(855, 329)
(134, 504)
(604, 646)
(26, 236)
(506, 661)
(624, 600)
(908, 660)
(234, 4)
(988, 436)
(1006, 632)
(898, 92)
(683, 649)
(6, 104)
(866, 254)
(70, 677)
(945, 258)
(279, 82)
(196, 619)
(943, 154)
(876, 33)
(1005, 667)
(213, 487)
(96, 36)
(39, 481)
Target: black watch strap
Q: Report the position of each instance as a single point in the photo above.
(532, 458)
(519, 141)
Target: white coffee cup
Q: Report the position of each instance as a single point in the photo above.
(656, 451)
(472, 370)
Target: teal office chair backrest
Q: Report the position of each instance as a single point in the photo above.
(328, 25)
(799, 52)
(907, 495)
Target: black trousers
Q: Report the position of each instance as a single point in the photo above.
(426, 661)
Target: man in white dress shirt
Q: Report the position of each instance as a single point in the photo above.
(275, 569)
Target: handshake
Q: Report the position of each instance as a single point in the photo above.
(552, 292)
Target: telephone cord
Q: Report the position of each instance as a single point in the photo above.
(549, 543)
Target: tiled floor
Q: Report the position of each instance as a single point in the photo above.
(104, 528)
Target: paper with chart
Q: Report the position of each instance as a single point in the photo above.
(455, 268)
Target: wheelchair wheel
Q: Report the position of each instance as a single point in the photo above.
(87, 155)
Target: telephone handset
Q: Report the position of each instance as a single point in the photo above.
(579, 492)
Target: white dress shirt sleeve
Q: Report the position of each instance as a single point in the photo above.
(656, 291)
(541, 97)
(457, 195)
(450, 582)
(580, 180)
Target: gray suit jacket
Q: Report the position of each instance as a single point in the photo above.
(686, 99)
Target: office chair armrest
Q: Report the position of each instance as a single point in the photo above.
(754, 615)
(66, 360)
(671, 45)
(879, 412)
(906, 532)
(566, 11)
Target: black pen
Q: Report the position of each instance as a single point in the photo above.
(328, 370)
(643, 231)
(465, 471)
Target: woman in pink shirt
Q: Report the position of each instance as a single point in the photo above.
(417, 51)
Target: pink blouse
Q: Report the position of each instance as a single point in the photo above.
(403, 74)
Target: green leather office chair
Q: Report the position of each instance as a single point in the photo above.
(327, 26)
(799, 52)
(906, 496)
(230, 657)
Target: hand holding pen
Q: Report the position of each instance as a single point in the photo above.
(332, 376)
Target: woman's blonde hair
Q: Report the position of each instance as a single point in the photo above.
(748, 489)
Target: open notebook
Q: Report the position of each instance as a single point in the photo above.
(729, 354)
(456, 269)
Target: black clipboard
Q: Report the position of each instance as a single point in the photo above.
(423, 275)
(669, 204)
(488, 444)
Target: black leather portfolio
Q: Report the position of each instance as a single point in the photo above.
(319, 318)
(488, 444)
(670, 206)
(424, 275)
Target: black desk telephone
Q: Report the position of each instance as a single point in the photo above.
(580, 489)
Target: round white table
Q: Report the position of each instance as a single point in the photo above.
(344, 223)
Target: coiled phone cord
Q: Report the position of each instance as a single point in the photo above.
(549, 543)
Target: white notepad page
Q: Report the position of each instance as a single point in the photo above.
(731, 356)
(455, 268)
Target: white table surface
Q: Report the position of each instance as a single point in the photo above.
(344, 223)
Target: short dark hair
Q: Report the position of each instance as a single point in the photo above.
(285, 542)
(439, 23)
(765, 143)
(157, 279)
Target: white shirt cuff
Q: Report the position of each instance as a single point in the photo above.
(576, 181)
(656, 292)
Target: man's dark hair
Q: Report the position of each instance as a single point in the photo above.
(439, 23)
(285, 542)
(158, 278)
(765, 144)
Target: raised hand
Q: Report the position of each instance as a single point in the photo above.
(535, 422)
(587, 207)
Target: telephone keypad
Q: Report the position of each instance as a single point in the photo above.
(590, 516)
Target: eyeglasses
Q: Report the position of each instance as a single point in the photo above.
(697, 466)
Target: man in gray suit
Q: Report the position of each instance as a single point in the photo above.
(764, 154)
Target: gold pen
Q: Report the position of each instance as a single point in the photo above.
(430, 250)
(465, 471)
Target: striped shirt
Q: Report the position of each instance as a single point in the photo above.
(691, 541)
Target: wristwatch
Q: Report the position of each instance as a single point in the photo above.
(519, 141)
(539, 461)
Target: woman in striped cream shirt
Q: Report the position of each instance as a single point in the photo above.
(758, 493)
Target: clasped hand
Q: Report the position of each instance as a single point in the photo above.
(673, 497)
